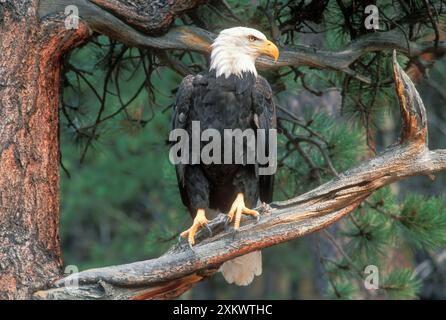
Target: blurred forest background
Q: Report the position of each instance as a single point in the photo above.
(119, 198)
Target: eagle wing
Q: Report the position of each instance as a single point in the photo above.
(265, 118)
(179, 121)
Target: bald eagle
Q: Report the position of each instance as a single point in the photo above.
(230, 96)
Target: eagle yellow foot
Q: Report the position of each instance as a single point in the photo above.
(200, 221)
(237, 209)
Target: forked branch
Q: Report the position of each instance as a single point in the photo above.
(179, 269)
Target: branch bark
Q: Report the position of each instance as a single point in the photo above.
(179, 269)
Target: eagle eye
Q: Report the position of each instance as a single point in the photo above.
(252, 38)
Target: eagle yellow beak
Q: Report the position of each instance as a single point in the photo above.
(270, 49)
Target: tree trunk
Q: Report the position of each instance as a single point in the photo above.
(30, 256)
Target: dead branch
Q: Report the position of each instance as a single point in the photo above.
(179, 269)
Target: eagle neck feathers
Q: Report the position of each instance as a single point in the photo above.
(227, 61)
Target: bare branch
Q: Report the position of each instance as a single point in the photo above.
(179, 269)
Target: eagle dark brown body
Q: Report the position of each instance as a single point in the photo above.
(223, 103)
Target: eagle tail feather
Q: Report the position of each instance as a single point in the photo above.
(242, 270)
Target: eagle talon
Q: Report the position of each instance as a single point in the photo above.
(237, 209)
(200, 220)
(208, 229)
(227, 222)
(191, 246)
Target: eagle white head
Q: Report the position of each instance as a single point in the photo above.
(235, 51)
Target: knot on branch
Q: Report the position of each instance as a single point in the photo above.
(150, 17)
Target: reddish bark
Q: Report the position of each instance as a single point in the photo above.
(30, 256)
